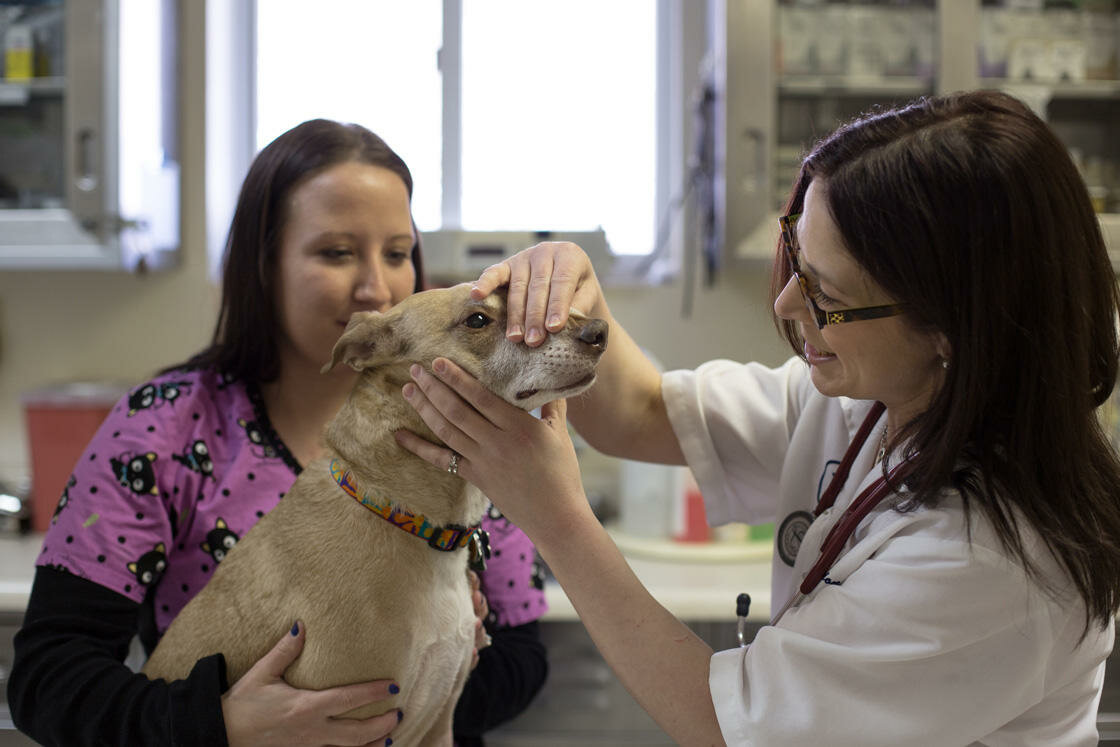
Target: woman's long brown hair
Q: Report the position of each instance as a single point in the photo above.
(968, 209)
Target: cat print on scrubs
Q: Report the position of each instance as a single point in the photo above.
(219, 540)
(150, 566)
(154, 395)
(64, 499)
(255, 433)
(196, 457)
(136, 472)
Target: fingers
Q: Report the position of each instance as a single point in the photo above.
(456, 407)
(434, 454)
(481, 637)
(280, 657)
(520, 270)
(555, 413)
(374, 730)
(570, 273)
(476, 585)
(445, 413)
(455, 441)
(263, 708)
(492, 278)
(336, 701)
(478, 599)
(545, 281)
(447, 377)
(538, 289)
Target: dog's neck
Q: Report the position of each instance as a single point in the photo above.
(446, 538)
(361, 434)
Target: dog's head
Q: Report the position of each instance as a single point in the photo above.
(447, 322)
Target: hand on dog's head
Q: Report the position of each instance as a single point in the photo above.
(447, 322)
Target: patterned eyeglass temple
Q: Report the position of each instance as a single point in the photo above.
(820, 316)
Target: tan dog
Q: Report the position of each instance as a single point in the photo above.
(378, 601)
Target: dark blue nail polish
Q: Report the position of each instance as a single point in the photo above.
(295, 628)
(400, 716)
(394, 689)
(388, 742)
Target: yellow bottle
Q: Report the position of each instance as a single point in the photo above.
(18, 53)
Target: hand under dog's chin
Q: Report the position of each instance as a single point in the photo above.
(531, 399)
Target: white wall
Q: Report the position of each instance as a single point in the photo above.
(59, 326)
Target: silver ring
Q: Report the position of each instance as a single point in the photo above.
(453, 465)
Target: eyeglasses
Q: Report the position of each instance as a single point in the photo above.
(820, 316)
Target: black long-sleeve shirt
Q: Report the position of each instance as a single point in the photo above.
(69, 685)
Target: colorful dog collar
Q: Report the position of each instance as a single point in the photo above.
(445, 539)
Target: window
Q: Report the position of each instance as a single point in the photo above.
(554, 127)
(367, 61)
(559, 118)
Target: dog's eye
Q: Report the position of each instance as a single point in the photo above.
(477, 320)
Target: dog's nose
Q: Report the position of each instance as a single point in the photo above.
(594, 333)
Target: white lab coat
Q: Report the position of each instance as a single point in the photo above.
(923, 637)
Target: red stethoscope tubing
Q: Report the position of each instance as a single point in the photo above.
(864, 503)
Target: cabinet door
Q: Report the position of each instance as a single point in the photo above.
(1063, 60)
(743, 49)
(789, 72)
(84, 145)
(793, 70)
(88, 137)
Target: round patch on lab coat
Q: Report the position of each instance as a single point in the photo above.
(790, 534)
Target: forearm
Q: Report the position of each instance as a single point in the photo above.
(69, 685)
(624, 414)
(659, 660)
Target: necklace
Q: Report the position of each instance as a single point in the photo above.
(882, 447)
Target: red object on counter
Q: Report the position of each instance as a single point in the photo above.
(60, 423)
(694, 527)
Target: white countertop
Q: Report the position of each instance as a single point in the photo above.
(694, 582)
(17, 568)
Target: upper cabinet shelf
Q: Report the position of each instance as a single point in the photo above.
(1093, 90)
(89, 172)
(789, 71)
(18, 93)
(847, 85)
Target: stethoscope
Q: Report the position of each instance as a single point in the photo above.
(839, 535)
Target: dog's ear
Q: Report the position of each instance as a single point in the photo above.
(363, 343)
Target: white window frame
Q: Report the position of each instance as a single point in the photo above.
(231, 123)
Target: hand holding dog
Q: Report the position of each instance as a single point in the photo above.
(481, 610)
(545, 282)
(263, 709)
(526, 466)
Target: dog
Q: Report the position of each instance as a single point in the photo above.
(379, 602)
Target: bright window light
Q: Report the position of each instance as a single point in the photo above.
(558, 103)
(148, 187)
(140, 126)
(372, 62)
(559, 119)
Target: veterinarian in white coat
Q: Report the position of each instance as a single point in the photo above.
(947, 560)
